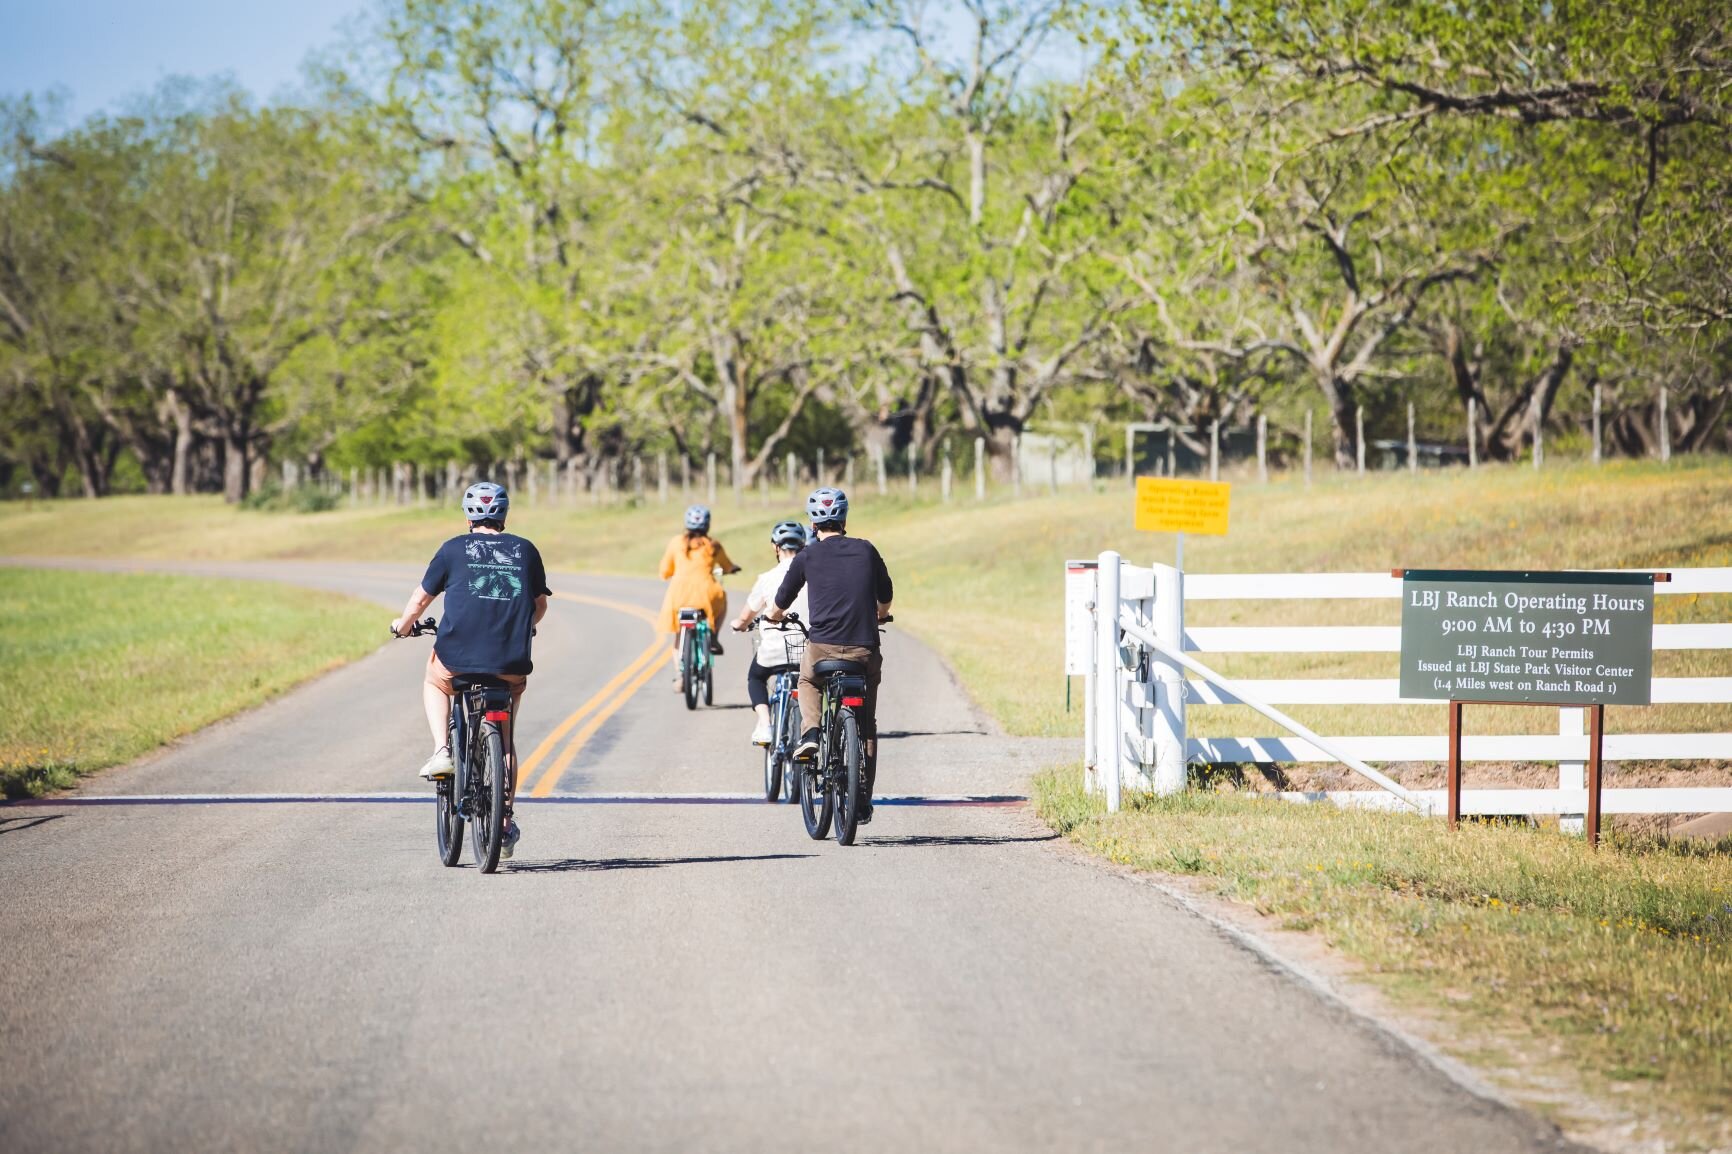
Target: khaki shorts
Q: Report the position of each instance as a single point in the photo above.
(440, 678)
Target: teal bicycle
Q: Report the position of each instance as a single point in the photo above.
(697, 660)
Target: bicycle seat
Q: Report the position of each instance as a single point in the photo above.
(463, 681)
(834, 665)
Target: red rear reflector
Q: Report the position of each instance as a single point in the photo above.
(498, 715)
(854, 701)
(796, 693)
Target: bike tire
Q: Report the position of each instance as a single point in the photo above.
(788, 736)
(447, 812)
(709, 680)
(487, 834)
(847, 782)
(772, 773)
(688, 668)
(815, 800)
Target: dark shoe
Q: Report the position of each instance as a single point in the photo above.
(715, 645)
(808, 747)
(865, 812)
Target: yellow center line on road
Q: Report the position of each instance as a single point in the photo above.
(527, 769)
(558, 768)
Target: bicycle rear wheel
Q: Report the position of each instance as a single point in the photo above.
(815, 800)
(846, 781)
(689, 667)
(709, 679)
(487, 833)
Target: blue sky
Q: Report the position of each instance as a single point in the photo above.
(99, 52)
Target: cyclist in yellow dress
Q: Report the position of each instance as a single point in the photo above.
(689, 567)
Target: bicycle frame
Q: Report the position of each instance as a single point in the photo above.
(475, 713)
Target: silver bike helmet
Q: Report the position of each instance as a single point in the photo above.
(485, 501)
(698, 519)
(788, 535)
(827, 505)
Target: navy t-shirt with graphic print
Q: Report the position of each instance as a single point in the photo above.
(490, 582)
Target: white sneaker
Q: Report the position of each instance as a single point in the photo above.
(509, 842)
(439, 765)
(761, 735)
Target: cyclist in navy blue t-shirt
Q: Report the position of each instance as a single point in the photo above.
(495, 591)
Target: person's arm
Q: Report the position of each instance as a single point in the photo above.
(434, 579)
(882, 589)
(792, 583)
(726, 562)
(540, 609)
(754, 605)
(538, 582)
(667, 568)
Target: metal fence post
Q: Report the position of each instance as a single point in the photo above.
(1109, 685)
(1412, 442)
(1168, 682)
(1215, 449)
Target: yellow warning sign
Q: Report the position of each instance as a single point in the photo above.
(1170, 505)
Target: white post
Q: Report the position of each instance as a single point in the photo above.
(1052, 466)
(945, 482)
(878, 464)
(1307, 447)
(1262, 448)
(1172, 458)
(1215, 449)
(1572, 775)
(1109, 689)
(818, 478)
(1665, 428)
(1472, 433)
(980, 468)
(788, 468)
(1539, 443)
(529, 480)
(662, 477)
(1359, 437)
(848, 472)
(354, 486)
(710, 477)
(637, 478)
(1016, 465)
(288, 475)
(1130, 460)
(1168, 682)
(1596, 424)
(1412, 442)
(685, 478)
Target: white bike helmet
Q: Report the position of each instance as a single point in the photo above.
(485, 501)
(788, 535)
(826, 506)
(698, 519)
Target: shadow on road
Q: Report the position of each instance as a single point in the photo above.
(897, 734)
(921, 839)
(597, 865)
(15, 824)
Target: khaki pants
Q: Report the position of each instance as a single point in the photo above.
(812, 697)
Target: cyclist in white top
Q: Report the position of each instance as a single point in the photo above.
(789, 537)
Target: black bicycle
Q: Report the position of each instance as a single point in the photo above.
(833, 785)
(475, 793)
(781, 777)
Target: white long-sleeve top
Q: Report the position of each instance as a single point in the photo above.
(773, 639)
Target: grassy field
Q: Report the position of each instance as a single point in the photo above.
(981, 582)
(100, 668)
(1616, 964)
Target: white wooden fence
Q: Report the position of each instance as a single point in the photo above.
(1141, 654)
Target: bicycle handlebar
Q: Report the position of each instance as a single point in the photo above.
(426, 625)
(794, 619)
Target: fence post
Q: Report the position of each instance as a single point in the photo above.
(1412, 442)
(878, 467)
(1172, 453)
(685, 478)
(764, 485)
(1539, 443)
(913, 478)
(1088, 433)
(1016, 465)
(1215, 449)
(662, 477)
(1109, 686)
(1472, 433)
(818, 478)
(1665, 428)
(637, 478)
(1572, 775)
(1307, 447)
(1262, 448)
(788, 467)
(848, 471)
(354, 486)
(710, 477)
(1596, 457)
(1359, 437)
(944, 484)
(1130, 458)
(529, 481)
(1168, 682)
(980, 468)
(1052, 466)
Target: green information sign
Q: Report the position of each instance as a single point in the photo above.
(1546, 638)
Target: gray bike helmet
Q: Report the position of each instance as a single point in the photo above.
(698, 519)
(827, 505)
(485, 501)
(788, 535)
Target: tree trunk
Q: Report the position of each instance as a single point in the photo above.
(237, 478)
(179, 481)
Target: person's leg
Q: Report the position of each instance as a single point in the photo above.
(758, 693)
(811, 703)
(436, 691)
(869, 728)
(518, 685)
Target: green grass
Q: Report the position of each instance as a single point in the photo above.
(100, 668)
(982, 582)
(1617, 962)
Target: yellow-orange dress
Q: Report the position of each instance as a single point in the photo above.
(691, 582)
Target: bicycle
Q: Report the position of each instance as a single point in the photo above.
(697, 662)
(832, 784)
(475, 793)
(780, 779)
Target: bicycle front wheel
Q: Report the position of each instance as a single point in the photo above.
(772, 773)
(450, 824)
(847, 779)
(487, 833)
(815, 799)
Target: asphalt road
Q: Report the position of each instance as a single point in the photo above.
(653, 971)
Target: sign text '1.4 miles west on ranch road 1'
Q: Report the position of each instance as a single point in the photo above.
(1544, 638)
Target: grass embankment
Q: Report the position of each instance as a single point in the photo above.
(96, 669)
(1617, 963)
(981, 582)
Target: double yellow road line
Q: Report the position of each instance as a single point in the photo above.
(600, 706)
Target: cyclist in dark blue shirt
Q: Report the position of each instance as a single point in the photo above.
(495, 591)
